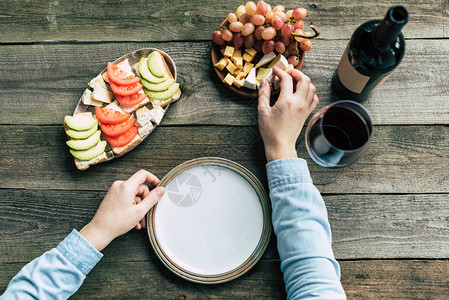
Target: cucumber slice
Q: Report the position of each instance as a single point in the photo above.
(80, 122)
(81, 135)
(157, 87)
(164, 94)
(146, 74)
(85, 144)
(156, 64)
(90, 153)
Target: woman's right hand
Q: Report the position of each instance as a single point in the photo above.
(281, 124)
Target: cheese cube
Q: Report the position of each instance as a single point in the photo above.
(238, 62)
(97, 80)
(102, 94)
(241, 75)
(266, 59)
(157, 113)
(280, 61)
(221, 64)
(250, 80)
(222, 51)
(247, 68)
(146, 129)
(236, 72)
(229, 51)
(143, 115)
(251, 51)
(229, 79)
(88, 100)
(231, 67)
(115, 105)
(239, 83)
(247, 57)
(237, 53)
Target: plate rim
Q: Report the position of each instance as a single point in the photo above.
(266, 224)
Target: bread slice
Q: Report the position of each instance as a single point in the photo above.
(122, 150)
(84, 164)
(130, 109)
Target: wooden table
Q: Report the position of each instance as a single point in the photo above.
(389, 212)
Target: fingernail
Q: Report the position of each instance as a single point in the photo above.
(160, 191)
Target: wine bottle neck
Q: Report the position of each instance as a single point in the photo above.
(391, 26)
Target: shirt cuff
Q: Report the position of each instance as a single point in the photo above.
(79, 252)
(287, 171)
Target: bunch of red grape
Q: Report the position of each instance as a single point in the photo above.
(266, 29)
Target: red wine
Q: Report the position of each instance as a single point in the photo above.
(376, 48)
(345, 129)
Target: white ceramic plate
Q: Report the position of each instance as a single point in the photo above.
(213, 223)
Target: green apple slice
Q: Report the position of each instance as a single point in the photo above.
(164, 94)
(81, 135)
(157, 87)
(80, 122)
(146, 74)
(90, 153)
(85, 144)
(156, 64)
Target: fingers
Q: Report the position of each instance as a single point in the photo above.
(286, 83)
(305, 89)
(264, 96)
(140, 177)
(143, 191)
(314, 102)
(151, 199)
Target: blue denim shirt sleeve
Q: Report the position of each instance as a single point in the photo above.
(57, 274)
(303, 233)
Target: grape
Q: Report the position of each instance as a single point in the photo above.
(299, 13)
(238, 40)
(257, 20)
(251, 8)
(294, 60)
(268, 33)
(299, 24)
(262, 8)
(247, 29)
(227, 35)
(216, 37)
(287, 30)
(240, 11)
(301, 32)
(289, 14)
(269, 16)
(258, 32)
(236, 26)
(258, 45)
(232, 18)
(278, 8)
(282, 15)
(267, 47)
(279, 46)
(286, 41)
(244, 18)
(277, 22)
(249, 41)
(305, 45)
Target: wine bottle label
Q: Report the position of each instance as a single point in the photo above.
(349, 77)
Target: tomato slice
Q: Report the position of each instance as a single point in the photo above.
(119, 76)
(125, 90)
(132, 100)
(124, 139)
(118, 129)
(110, 116)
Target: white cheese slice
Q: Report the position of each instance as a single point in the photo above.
(102, 94)
(97, 81)
(157, 113)
(115, 105)
(88, 100)
(146, 129)
(143, 115)
(125, 66)
(266, 59)
(250, 80)
(280, 62)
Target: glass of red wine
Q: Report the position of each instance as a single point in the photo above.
(339, 134)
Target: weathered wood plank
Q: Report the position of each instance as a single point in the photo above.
(41, 84)
(363, 226)
(191, 20)
(400, 159)
(372, 279)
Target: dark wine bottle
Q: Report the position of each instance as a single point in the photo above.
(376, 48)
